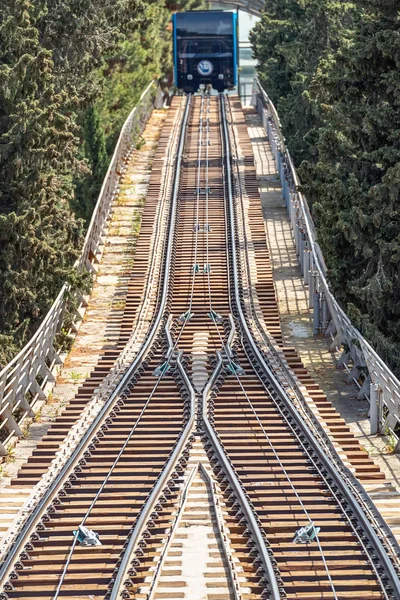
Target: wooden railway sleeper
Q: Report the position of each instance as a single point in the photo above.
(331, 484)
(167, 492)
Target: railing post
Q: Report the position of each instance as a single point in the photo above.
(374, 407)
(280, 166)
(293, 215)
(313, 286)
(11, 425)
(268, 130)
(290, 205)
(303, 245)
(306, 261)
(286, 193)
(317, 313)
(325, 312)
(297, 236)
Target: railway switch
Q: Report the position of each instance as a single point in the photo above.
(186, 316)
(162, 369)
(234, 368)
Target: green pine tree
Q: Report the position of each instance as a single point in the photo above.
(38, 147)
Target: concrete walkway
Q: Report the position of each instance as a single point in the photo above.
(296, 322)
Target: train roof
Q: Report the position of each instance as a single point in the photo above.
(254, 7)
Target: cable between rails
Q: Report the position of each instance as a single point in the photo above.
(162, 374)
(186, 317)
(103, 485)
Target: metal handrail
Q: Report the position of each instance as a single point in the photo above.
(39, 357)
(384, 384)
(94, 427)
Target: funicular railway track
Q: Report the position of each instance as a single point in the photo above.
(199, 410)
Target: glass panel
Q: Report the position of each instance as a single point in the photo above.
(204, 23)
(247, 72)
(246, 24)
(204, 47)
(246, 55)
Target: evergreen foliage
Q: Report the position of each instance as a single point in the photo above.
(70, 72)
(333, 70)
(38, 158)
(94, 150)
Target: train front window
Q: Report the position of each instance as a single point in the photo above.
(203, 23)
(205, 47)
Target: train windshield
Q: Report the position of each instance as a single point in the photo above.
(203, 24)
(204, 47)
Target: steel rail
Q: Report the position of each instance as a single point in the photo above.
(324, 478)
(174, 527)
(62, 476)
(356, 487)
(114, 465)
(343, 487)
(158, 242)
(237, 488)
(235, 484)
(225, 546)
(148, 508)
(196, 222)
(161, 482)
(321, 434)
(136, 535)
(177, 520)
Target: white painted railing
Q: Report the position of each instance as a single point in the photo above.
(134, 125)
(30, 376)
(378, 383)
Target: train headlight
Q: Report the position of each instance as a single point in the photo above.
(190, 77)
(220, 76)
